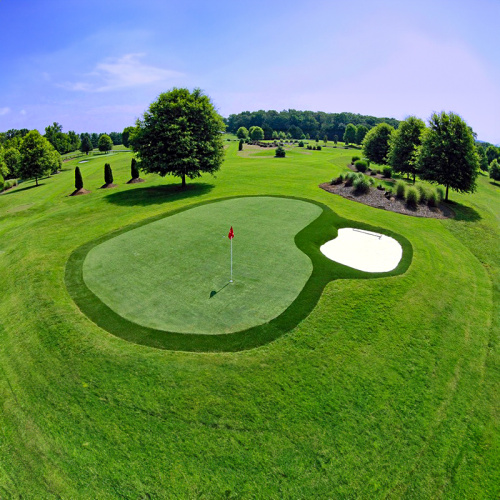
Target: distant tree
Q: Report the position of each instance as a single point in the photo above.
(448, 154)
(325, 140)
(78, 179)
(108, 174)
(12, 159)
(180, 134)
(350, 134)
(317, 138)
(105, 143)
(282, 135)
(116, 138)
(495, 170)
(483, 160)
(275, 134)
(295, 132)
(492, 153)
(361, 131)
(38, 157)
(376, 143)
(126, 136)
(94, 138)
(134, 170)
(335, 139)
(242, 133)
(404, 145)
(86, 144)
(74, 141)
(268, 132)
(256, 133)
(240, 145)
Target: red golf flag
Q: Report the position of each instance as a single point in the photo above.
(231, 233)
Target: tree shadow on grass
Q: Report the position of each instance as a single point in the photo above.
(18, 190)
(497, 184)
(155, 195)
(464, 213)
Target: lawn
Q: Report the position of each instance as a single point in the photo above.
(387, 389)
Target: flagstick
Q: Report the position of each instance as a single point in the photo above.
(231, 280)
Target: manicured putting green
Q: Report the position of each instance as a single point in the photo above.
(173, 274)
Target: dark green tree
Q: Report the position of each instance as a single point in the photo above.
(108, 174)
(280, 152)
(38, 157)
(134, 170)
(325, 140)
(495, 170)
(126, 136)
(94, 138)
(404, 145)
(105, 143)
(448, 154)
(240, 145)
(78, 179)
(268, 132)
(361, 131)
(335, 139)
(376, 143)
(86, 144)
(483, 160)
(242, 133)
(180, 135)
(350, 134)
(492, 153)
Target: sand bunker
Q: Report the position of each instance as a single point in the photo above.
(364, 250)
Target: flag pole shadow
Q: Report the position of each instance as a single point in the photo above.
(213, 293)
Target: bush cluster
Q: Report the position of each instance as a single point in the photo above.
(387, 172)
(301, 144)
(361, 165)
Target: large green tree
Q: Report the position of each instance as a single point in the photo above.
(86, 144)
(127, 131)
(180, 135)
(492, 153)
(361, 131)
(404, 145)
(350, 134)
(495, 170)
(38, 157)
(256, 134)
(448, 154)
(483, 160)
(242, 133)
(105, 143)
(12, 159)
(376, 143)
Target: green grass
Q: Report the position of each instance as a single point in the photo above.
(387, 389)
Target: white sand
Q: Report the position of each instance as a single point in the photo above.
(364, 250)
(83, 161)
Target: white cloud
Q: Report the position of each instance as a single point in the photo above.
(125, 72)
(4, 111)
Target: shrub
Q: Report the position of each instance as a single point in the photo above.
(308, 146)
(280, 152)
(412, 198)
(361, 166)
(423, 194)
(354, 159)
(350, 178)
(373, 172)
(240, 145)
(371, 181)
(318, 148)
(108, 174)
(134, 171)
(337, 180)
(78, 179)
(440, 193)
(495, 170)
(388, 192)
(1, 182)
(361, 185)
(432, 198)
(387, 172)
(301, 144)
(380, 187)
(400, 189)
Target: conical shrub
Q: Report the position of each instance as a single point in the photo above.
(108, 174)
(78, 179)
(134, 171)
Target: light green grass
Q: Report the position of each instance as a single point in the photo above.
(388, 389)
(163, 275)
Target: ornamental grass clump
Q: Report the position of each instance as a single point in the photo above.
(423, 194)
(361, 185)
(400, 189)
(337, 180)
(361, 165)
(412, 198)
(440, 193)
(432, 199)
(350, 178)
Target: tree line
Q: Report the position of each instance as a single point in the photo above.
(310, 124)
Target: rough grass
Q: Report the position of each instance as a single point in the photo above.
(387, 389)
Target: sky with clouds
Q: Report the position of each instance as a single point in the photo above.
(96, 66)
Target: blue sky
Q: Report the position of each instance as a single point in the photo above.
(96, 66)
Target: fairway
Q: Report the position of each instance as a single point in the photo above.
(173, 274)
